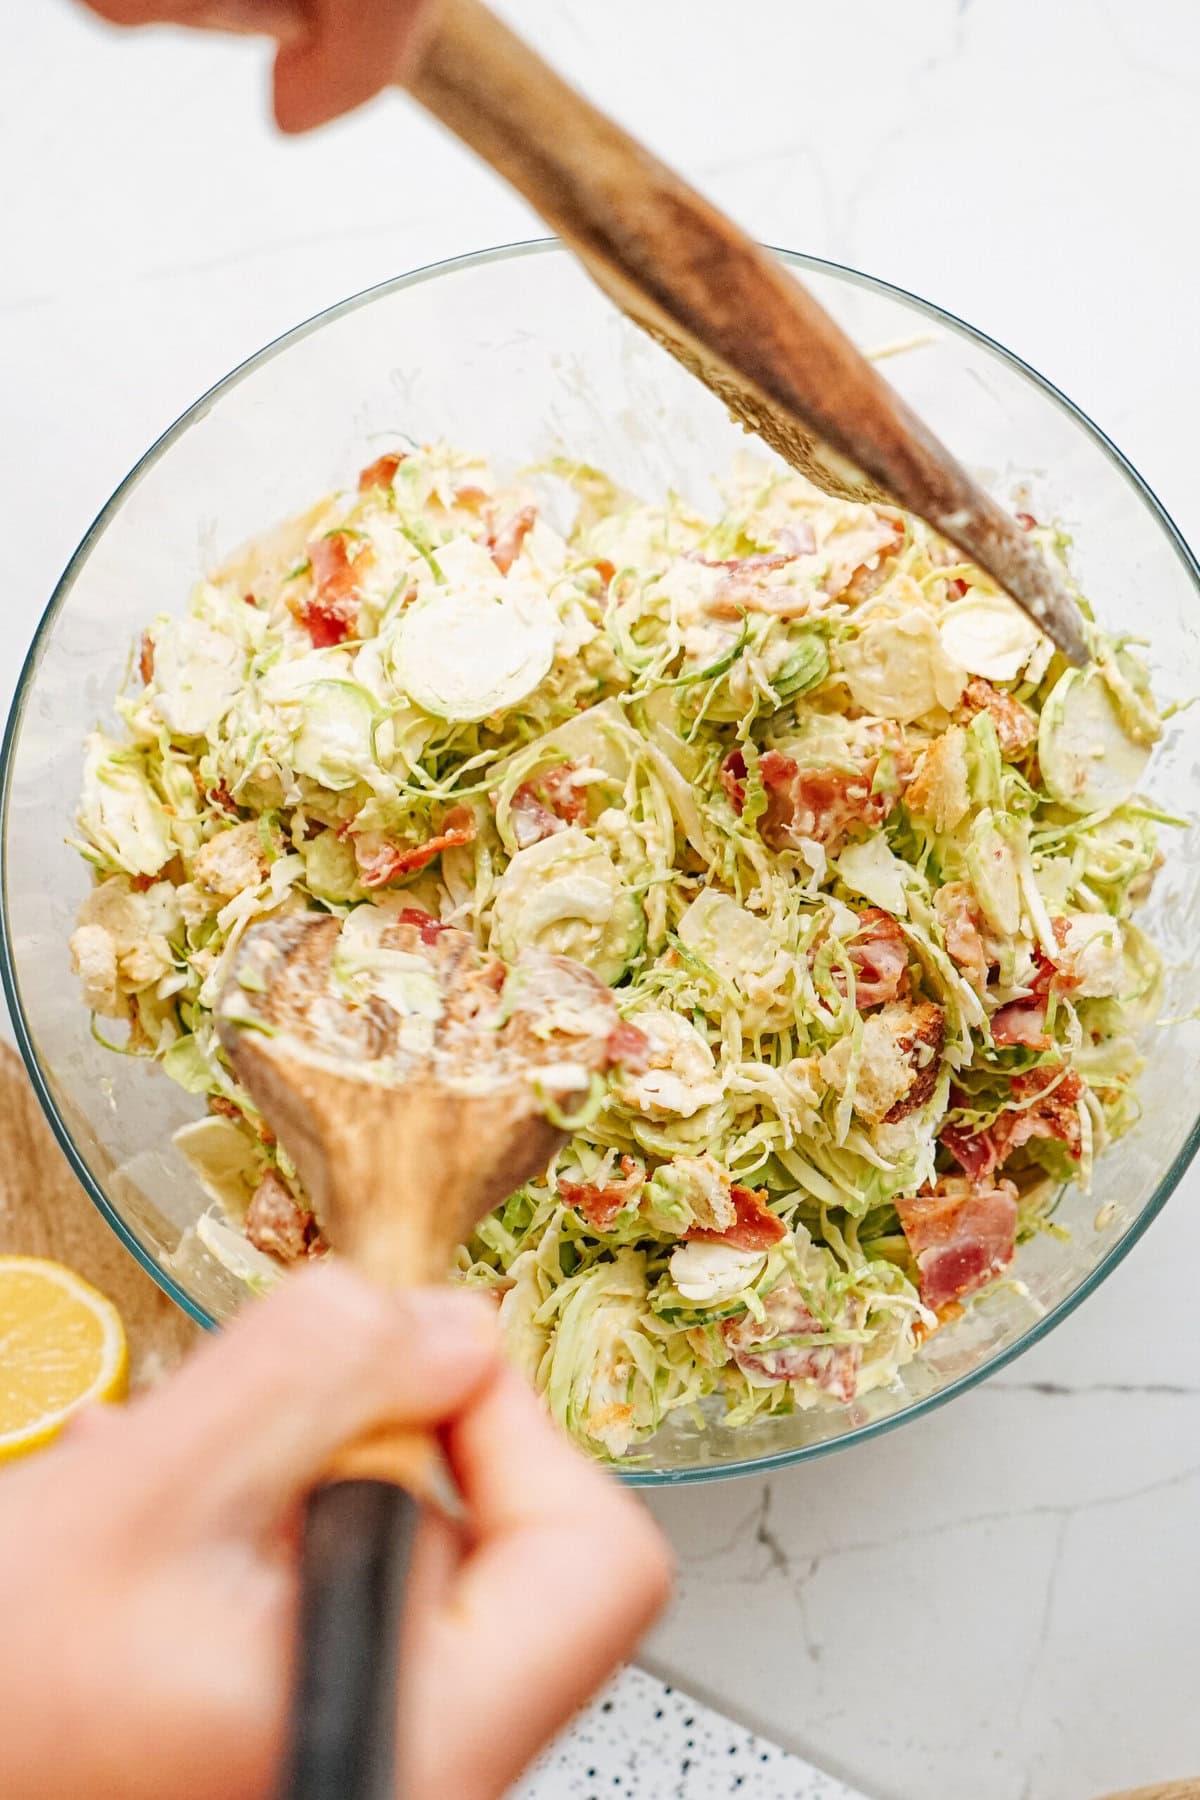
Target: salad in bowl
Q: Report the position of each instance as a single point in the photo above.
(858, 854)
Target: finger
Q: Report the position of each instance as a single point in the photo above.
(347, 57)
(566, 1573)
(251, 1419)
(437, 1554)
(272, 18)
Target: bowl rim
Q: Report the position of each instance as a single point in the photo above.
(532, 247)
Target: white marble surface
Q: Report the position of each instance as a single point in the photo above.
(999, 1602)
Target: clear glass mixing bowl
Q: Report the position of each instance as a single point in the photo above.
(514, 353)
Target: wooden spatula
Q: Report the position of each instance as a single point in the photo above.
(414, 1083)
(1171, 1790)
(724, 307)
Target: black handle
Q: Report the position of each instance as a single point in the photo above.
(357, 1543)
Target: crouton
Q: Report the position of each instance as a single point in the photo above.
(146, 962)
(901, 1052)
(884, 1075)
(920, 1037)
(231, 861)
(939, 790)
(94, 956)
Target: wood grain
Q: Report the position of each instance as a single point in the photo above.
(45, 1212)
(1169, 1790)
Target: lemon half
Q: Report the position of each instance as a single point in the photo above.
(62, 1346)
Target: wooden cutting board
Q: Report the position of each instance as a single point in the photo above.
(45, 1212)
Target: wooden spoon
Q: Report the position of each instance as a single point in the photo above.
(414, 1084)
(729, 311)
(1170, 1790)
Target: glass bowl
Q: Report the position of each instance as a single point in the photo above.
(514, 353)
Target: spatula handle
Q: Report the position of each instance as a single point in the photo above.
(358, 1538)
(586, 176)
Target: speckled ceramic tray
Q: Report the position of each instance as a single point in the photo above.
(641, 1740)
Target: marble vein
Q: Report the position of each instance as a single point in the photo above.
(754, 1527)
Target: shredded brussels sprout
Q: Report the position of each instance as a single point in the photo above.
(855, 849)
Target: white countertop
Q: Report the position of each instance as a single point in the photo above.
(999, 1602)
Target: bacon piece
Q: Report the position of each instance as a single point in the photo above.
(743, 586)
(1045, 969)
(857, 556)
(742, 589)
(1015, 725)
(380, 861)
(605, 569)
(921, 1039)
(761, 560)
(1027, 520)
(958, 584)
(1046, 1106)
(755, 1226)
(331, 615)
(961, 1237)
(600, 1205)
(505, 543)
(146, 659)
(430, 928)
(275, 1223)
(1022, 1022)
(220, 797)
(532, 819)
(629, 1048)
(963, 930)
(226, 1109)
(879, 953)
(1057, 973)
(548, 803)
(1048, 1098)
(217, 795)
(336, 574)
(381, 472)
(975, 1152)
(733, 780)
(757, 1349)
(825, 805)
(565, 794)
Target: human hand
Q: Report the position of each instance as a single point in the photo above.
(148, 1564)
(333, 54)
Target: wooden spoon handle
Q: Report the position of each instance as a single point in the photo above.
(729, 311)
(358, 1538)
(657, 246)
(408, 1459)
(1169, 1790)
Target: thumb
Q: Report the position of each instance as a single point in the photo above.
(255, 1414)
